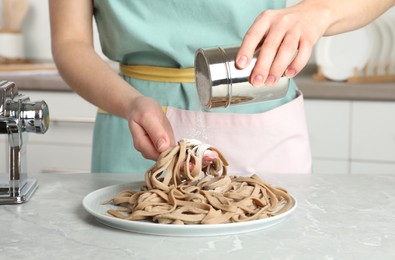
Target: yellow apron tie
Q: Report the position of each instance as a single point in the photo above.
(102, 111)
(158, 74)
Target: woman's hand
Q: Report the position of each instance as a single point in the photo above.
(285, 38)
(151, 130)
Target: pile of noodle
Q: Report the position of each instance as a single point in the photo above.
(201, 196)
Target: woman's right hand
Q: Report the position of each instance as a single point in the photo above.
(151, 130)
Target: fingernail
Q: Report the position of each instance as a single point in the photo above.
(290, 73)
(270, 80)
(242, 62)
(257, 81)
(161, 144)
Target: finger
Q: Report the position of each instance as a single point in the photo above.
(301, 59)
(142, 142)
(152, 136)
(191, 167)
(208, 157)
(268, 52)
(285, 55)
(158, 133)
(251, 42)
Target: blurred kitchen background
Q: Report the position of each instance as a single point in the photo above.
(352, 125)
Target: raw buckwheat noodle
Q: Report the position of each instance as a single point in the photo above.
(201, 196)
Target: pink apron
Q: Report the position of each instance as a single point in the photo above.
(275, 141)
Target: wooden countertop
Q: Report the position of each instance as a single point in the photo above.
(48, 79)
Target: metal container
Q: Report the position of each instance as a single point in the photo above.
(220, 84)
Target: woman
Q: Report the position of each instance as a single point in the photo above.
(140, 115)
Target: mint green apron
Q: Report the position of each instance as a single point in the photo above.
(166, 33)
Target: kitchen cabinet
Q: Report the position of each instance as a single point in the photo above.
(373, 138)
(323, 165)
(351, 137)
(367, 167)
(374, 127)
(66, 146)
(3, 154)
(329, 129)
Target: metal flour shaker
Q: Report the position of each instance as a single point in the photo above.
(220, 84)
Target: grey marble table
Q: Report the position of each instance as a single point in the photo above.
(338, 217)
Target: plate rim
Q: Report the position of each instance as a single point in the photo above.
(376, 38)
(330, 67)
(386, 42)
(152, 228)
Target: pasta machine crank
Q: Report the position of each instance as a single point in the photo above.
(19, 116)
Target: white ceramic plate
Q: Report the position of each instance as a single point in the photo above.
(339, 55)
(92, 203)
(375, 38)
(386, 44)
(390, 22)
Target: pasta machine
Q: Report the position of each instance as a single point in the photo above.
(19, 116)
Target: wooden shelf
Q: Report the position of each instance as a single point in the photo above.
(319, 89)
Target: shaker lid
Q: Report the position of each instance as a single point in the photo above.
(203, 78)
(212, 74)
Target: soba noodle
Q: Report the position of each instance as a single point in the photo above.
(203, 195)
